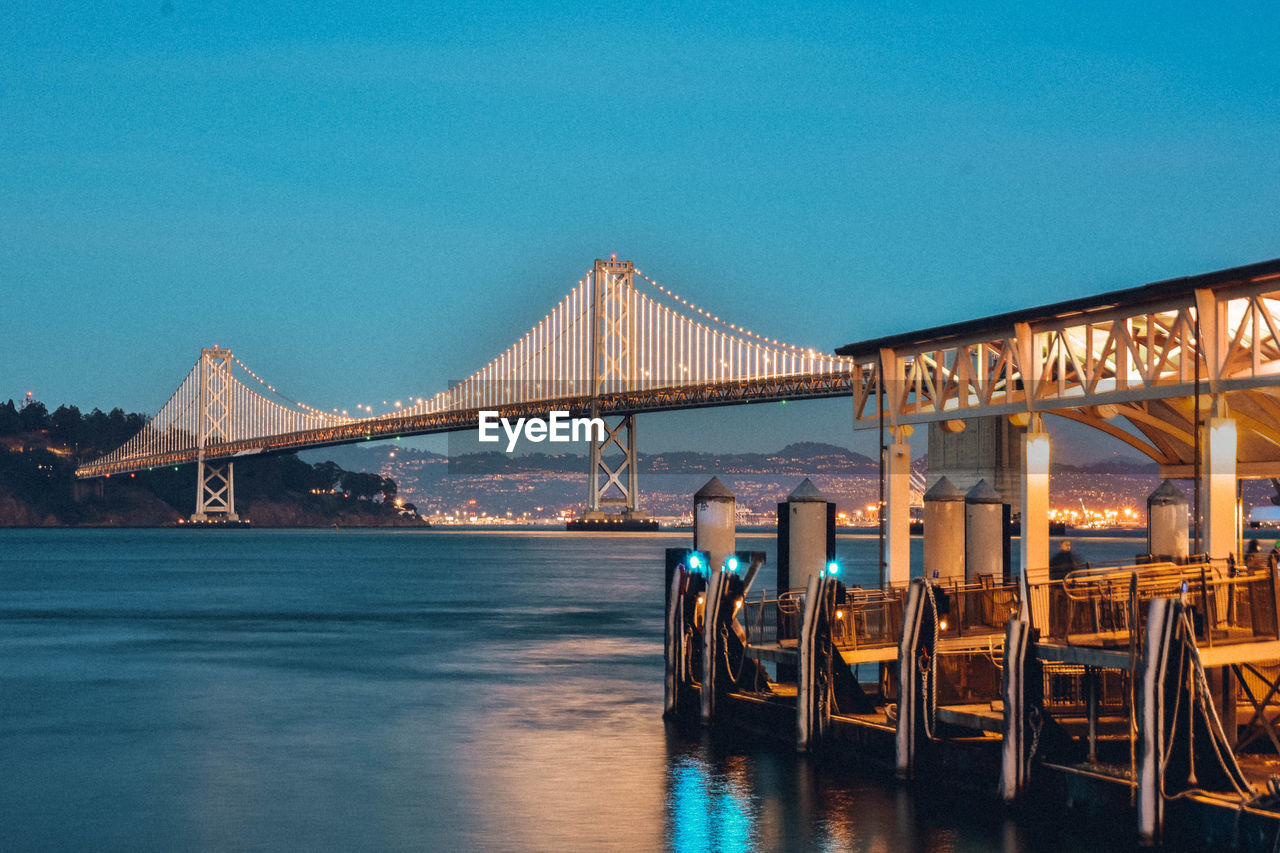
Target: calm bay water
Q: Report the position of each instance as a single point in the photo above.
(398, 690)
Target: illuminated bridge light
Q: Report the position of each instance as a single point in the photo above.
(731, 564)
(833, 569)
(697, 355)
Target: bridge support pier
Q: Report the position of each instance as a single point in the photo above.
(614, 484)
(215, 483)
(215, 493)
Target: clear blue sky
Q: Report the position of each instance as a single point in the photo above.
(365, 203)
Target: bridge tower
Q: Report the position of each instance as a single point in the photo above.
(613, 368)
(215, 483)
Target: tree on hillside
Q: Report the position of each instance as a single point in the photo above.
(33, 417)
(328, 476)
(9, 422)
(361, 486)
(66, 424)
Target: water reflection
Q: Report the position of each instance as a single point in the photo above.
(740, 796)
(707, 809)
(302, 690)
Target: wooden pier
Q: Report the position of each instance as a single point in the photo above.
(1150, 692)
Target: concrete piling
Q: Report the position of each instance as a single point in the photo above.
(944, 514)
(714, 522)
(983, 532)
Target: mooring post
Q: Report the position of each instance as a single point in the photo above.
(1013, 745)
(1151, 719)
(1091, 677)
(813, 688)
(909, 679)
(673, 642)
(711, 643)
(685, 581)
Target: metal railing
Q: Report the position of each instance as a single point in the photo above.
(1066, 687)
(768, 617)
(1106, 605)
(980, 607)
(868, 618)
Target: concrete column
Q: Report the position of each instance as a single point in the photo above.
(944, 531)
(897, 498)
(1167, 524)
(806, 510)
(714, 522)
(1035, 506)
(1218, 487)
(983, 532)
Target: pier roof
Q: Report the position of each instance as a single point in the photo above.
(1136, 363)
(1060, 310)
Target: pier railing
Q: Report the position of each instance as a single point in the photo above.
(868, 618)
(769, 616)
(1107, 605)
(981, 607)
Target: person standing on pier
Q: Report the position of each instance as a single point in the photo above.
(1063, 562)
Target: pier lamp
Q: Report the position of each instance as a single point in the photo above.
(833, 569)
(731, 564)
(695, 563)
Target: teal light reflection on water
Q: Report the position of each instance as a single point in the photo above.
(707, 810)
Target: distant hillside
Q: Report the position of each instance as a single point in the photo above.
(1110, 466)
(802, 457)
(39, 452)
(541, 485)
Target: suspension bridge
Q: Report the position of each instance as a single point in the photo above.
(1186, 371)
(617, 345)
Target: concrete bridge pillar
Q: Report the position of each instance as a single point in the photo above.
(897, 495)
(215, 481)
(1218, 487)
(215, 492)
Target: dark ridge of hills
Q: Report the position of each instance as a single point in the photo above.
(1109, 466)
(804, 457)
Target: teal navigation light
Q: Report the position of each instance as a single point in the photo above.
(695, 563)
(833, 569)
(731, 564)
